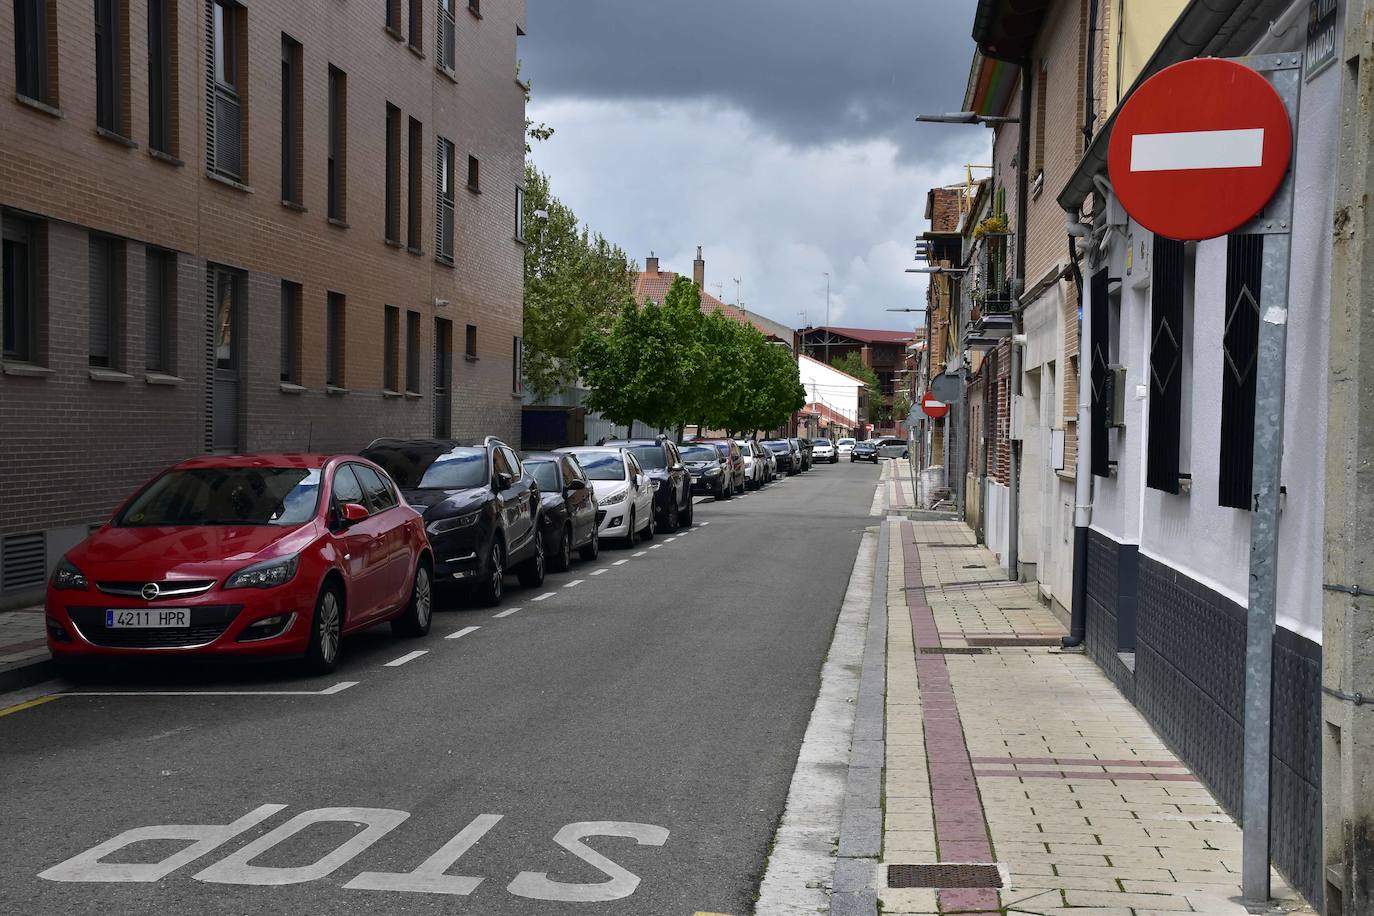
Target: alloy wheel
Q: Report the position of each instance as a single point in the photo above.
(330, 626)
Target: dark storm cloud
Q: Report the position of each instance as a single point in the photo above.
(812, 71)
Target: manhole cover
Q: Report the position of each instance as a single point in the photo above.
(943, 876)
(953, 650)
(1012, 640)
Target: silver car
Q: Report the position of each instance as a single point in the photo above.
(891, 447)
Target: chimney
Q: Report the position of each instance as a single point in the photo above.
(651, 264)
(699, 269)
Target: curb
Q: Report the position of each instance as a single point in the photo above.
(21, 676)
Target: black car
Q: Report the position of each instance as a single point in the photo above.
(866, 450)
(707, 468)
(669, 477)
(804, 445)
(786, 454)
(481, 511)
(568, 520)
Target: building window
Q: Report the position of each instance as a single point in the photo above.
(162, 76)
(292, 121)
(159, 311)
(35, 51)
(227, 91)
(19, 277)
(413, 182)
(334, 337)
(470, 346)
(443, 201)
(517, 366)
(519, 213)
(1167, 331)
(106, 307)
(417, 25)
(447, 31)
(475, 7)
(338, 143)
(111, 75)
(391, 345)
(443, 378)
(1099, 355)
(413, 352)
(1240, 349)
(1041, 107)
(291, 327)
(393, 174)
(474, 174)
(393, 17)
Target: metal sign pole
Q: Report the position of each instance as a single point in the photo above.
(1284, 72)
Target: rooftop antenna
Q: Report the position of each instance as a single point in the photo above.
(737, 283)
(720, 291)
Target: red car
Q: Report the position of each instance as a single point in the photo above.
(260, 555)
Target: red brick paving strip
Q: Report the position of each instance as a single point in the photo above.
(961, 831)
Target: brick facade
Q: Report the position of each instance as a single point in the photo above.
(76, 439)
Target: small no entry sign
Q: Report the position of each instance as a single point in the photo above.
(933, 406)
(1199, 149)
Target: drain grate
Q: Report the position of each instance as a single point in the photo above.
(1012, 640)
(954, 650)
(943, 876)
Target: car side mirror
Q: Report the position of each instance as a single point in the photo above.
(352, 514)
(574, 485)
(504, 481)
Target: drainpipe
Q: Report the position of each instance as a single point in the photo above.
(1018, 288)
(1082, 478)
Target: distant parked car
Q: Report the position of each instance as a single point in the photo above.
(754, 468)
(624, 498)
(734, 462)
(770, 462)
(245, 556)
(866, 450)
(672, 484)
(892, 447)
(707, 468)
(787, 454)
(804, 446)
(824, 450)
(568, 520)
(481, 511)
(844, 446)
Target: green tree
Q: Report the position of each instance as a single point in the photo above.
(852, 364)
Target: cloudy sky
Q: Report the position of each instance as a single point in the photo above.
(776, 134)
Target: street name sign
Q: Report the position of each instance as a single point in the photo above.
(1199, 149)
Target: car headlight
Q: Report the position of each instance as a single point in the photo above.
(712, 472)
(265, 575)
(68, 578)
(614, 499)
(445, 525)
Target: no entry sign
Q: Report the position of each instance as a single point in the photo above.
(933, 406)
(1199, 149)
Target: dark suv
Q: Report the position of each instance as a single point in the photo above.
(672, 483)
(482, 513)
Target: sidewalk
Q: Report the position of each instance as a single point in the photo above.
(24, 658)
(1002, 749)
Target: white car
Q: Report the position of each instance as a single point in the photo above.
(844, 446)
(624, 493)
(824, 450)
(755, 468)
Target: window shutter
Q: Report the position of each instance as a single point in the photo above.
(1239, 348)
(443, 200)
(1101, 465)
(1166, 365)
(210, 145)
(98, 341)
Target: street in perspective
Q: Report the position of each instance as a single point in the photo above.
(552, 457)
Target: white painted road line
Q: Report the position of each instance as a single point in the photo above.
(459, 634)
(506, 613)
(620, 562)
(641, 553)
(597, 572)
(656, 546)
(574, 582)
(1198, 149)
(671, 539)
(328, 691)
(408, 657)
(706, 523)
(545, 595)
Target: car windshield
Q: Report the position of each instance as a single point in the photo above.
(602, 465)
(778, 446)
(692, 453)
(545, 473)
(846, 442)
(438, 467)
(650, 457)
(820, 441)
(226, 496)
(746, 450)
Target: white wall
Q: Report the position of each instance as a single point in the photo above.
(828, 386)
(995, 524)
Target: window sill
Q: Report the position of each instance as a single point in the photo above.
(475, 189)
(115, 137)
(101, 374)
(292, 205)
(446, 262)
(27, 370)
(452, 77)
(292, 388)
(522, 84)
(1066, 476)
(416, 51)
(392, 243)
(476, 13)
(335, 221)
(1037, 185)
(520, 395)
(162, 156)
(335, 390)
(228, 182)
(38, 105)
(393, 32)
(413, 250)
(413, 395)
(391, 394)
(471, 357)
(161, 378)
(519, 240)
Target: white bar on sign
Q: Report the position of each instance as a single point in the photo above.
(1198, 149)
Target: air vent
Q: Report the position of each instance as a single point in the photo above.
(943, 876)
(23, 561)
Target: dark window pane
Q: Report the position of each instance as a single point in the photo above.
(334, 340)
(393, 173)
(346, 487)
(390, 334)
(413, 351)
(290, 332)
(413, 177)
(160, 74)
(158, 307)
(31, 48)
(1166, 365)
(16, 272)
(108, 74)
(379, 496)
(1240, 350)
(104, 273)
(338, 117)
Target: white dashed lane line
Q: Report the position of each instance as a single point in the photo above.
(545, 595)
(656, 546)
(597, 572)
(458, 634)
(574, 582)
(641, 553)
(505, 613)
(408, 657)
(620, 562)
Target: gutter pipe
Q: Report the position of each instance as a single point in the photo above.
(1082, 481)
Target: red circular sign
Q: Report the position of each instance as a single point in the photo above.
(1199, 149)
(932, 406)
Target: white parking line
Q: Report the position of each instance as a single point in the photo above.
(597, 572)
(328, 691)
(408, 657)
(545, 595)
(574, 582)
(458, 634)
(641, 553)
(505, 613)
(620, 562)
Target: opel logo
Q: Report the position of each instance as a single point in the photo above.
(151, 591)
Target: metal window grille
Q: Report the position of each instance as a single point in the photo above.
(1240, 349)
(223, 122)
(391, 332)
(212, 276)
(447, 33)
(1166, 365)
(1097, 368)
(443, 200)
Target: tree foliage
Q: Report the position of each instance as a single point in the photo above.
(852, 364)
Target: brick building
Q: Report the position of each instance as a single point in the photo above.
(279, 234)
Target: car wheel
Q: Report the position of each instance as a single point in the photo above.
(689, 512)
(592, 549)
(419, 612)
(531, 571)
(632, 538)
(652, 528)
(673, 521)
(562, 560)
(494, 585)
(326, 632)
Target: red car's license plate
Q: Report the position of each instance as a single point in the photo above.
(158, 619)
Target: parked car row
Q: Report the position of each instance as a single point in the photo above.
(284, 555)
(882, 447)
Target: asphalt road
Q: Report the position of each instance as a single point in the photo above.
(666, 687)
